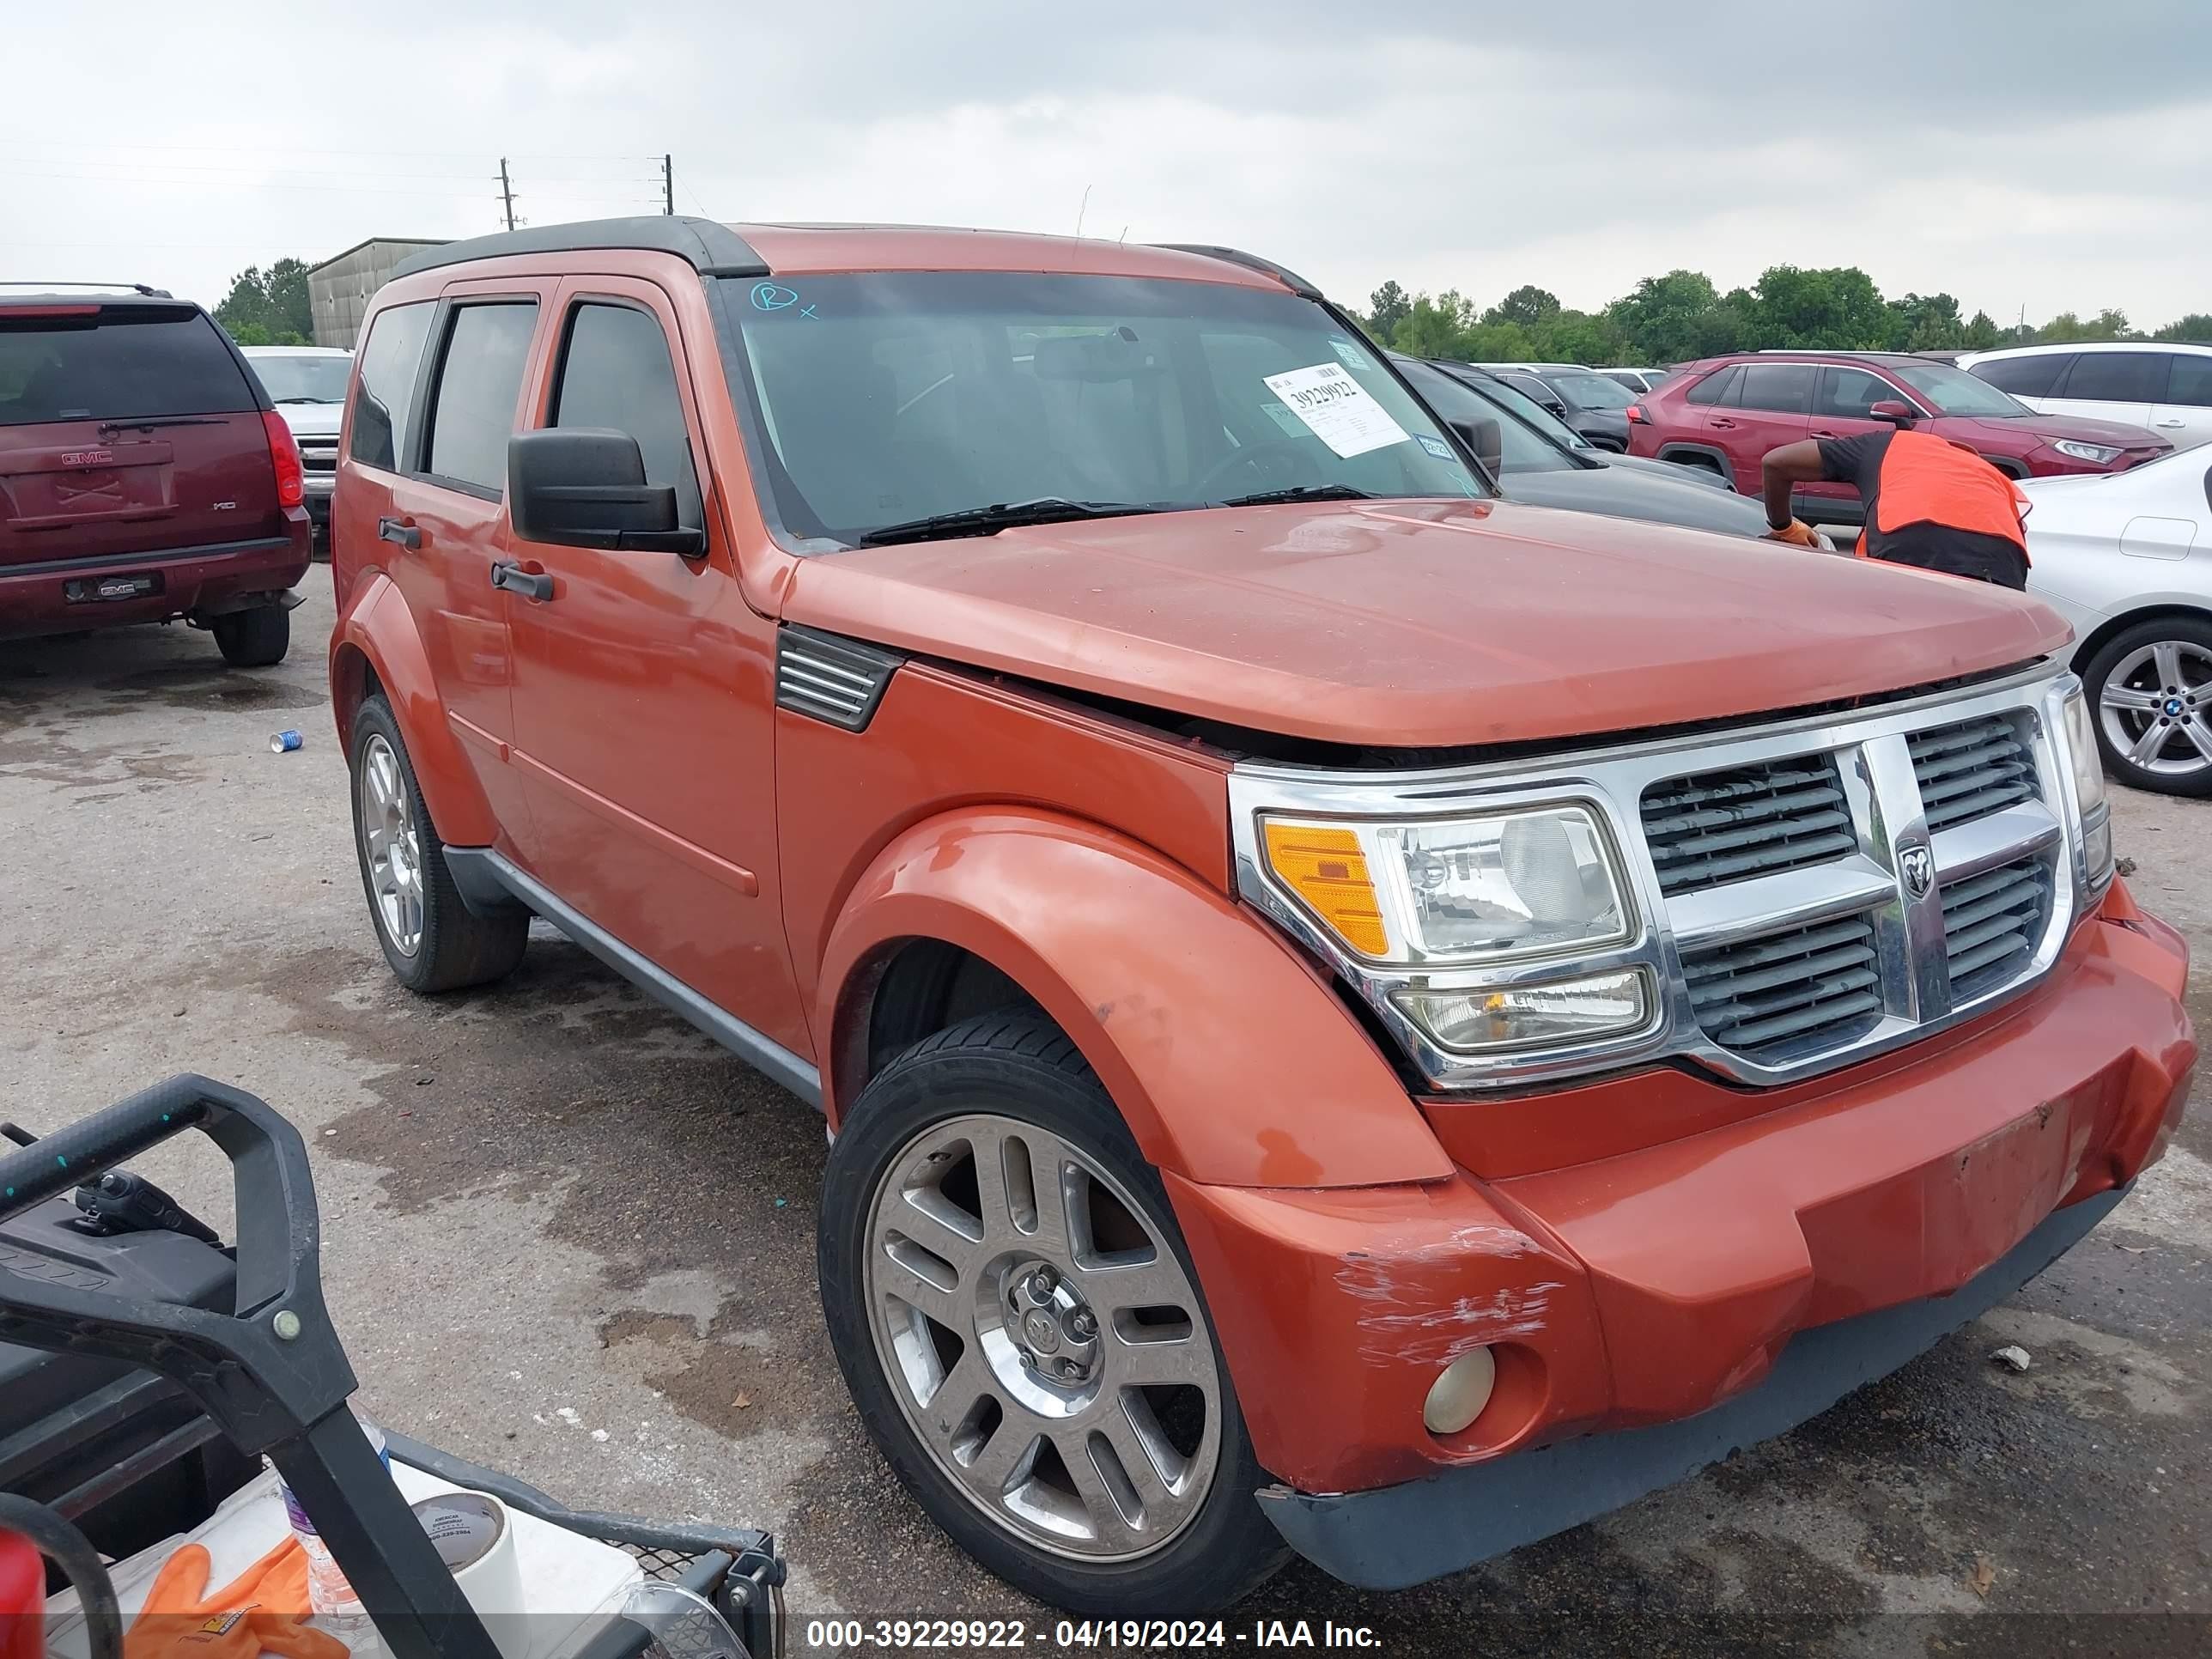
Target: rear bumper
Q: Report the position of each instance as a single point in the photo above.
(1662, 1282)
(36, 598)
(1405, 1534)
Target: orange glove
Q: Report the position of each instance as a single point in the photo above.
(264, 1607)
(1795, 533)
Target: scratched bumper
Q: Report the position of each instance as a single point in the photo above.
(1657, 1284)
(1405, 1534)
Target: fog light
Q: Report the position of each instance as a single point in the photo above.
(1459, 1394)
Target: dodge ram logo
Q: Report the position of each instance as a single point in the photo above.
(1917, 866)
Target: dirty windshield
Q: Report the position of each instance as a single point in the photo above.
(983, 399)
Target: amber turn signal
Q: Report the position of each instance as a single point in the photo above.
(1325, 866)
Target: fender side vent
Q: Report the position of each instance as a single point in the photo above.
(829, 679)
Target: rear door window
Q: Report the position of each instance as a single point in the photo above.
(1781, 388)
(115, 363)
(479, 383)
(2025, 377)
(384, 400)
(616, 373)
(2190, 383)
(2117, 377)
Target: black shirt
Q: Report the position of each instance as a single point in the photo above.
(1929, 545)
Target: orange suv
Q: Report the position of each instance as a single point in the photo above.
(1356, 1017)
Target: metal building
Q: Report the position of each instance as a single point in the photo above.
(340, 288)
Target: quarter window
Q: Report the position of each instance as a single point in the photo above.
(479, 382)
(385, 398)
(2117, 377)
(616, 373)
(1714, 388)
(2191, 382)
(1782, 388)
(2025, 377)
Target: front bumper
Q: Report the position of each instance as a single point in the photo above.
(1405, 1534)
(1670, 1282)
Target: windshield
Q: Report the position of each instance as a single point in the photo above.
(1520, 449)
(1587, 391)
(1514, 401)
(892, 396)
(1954, 391)
(303, 379)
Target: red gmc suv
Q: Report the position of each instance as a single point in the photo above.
(143, 475)
(1725, 413)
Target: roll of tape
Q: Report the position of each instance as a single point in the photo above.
(473, 1535)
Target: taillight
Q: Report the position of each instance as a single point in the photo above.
(1637, 416)
(284, 456)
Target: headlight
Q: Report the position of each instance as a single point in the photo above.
(2088, 768)
(1475, 890)
(2097, 454)
(1567, 1011)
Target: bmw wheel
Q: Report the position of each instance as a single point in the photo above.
(2151, 686)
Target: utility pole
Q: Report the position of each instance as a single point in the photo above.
(668, 186)
(507, 191)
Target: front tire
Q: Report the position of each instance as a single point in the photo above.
(431, 939)
(1024, 1334)
(2150, 689)
(253, 639)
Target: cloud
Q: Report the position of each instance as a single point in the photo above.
(2010, 154)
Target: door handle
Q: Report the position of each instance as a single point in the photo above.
(400, 531)
(1818, 433)
(1720, 425)
(2170, 423)
(532, 584)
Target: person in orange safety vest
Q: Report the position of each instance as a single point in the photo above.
(1929, 502)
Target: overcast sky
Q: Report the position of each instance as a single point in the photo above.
(2030, 154)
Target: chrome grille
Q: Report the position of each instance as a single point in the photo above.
(1782, 943)
(318, 454)
(1806, 989)
(1716, 827)
(1992, 923)
(1971, 769)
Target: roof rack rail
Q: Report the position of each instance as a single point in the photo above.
(125, 288)
(712, 248)
(1289, 279)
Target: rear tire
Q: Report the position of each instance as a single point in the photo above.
(1185, 1536)
(431, 940)
(253, 639)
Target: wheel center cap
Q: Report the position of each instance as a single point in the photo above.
(1042, 1331)
(2172, 708)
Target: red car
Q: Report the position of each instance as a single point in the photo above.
(1725, 413)
(144, 474)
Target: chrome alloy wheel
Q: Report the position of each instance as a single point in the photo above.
(395, 845)
(2156, 708)
(1042, 1338)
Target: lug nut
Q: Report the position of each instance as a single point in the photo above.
(1069, 1368)
(1041, 1282)
(1082, 1325)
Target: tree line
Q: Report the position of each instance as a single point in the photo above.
(1681, 315)
(269, 307)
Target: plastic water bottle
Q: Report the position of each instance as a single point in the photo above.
(336, 1608)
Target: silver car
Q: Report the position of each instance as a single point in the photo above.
(2128, 557)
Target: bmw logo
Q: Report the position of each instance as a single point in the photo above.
(2173, 708)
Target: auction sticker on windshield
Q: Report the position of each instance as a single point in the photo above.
(1336, 408)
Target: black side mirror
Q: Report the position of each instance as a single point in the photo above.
(1894, 410)
(585, 487)
(1487, 440)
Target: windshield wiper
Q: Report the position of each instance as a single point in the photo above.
(1327, 492)
(304, 400)
(1003, 515)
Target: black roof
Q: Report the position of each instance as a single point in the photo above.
(714, 249)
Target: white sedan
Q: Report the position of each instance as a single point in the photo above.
(2128, 557)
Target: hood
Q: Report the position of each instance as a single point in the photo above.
(1659, 492)
(312, 419)
(1422, 624)
(2081, 427)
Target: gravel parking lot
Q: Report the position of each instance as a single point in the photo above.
(567, 1234)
